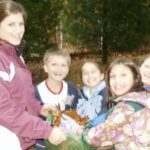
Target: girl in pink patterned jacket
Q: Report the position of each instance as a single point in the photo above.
(125, 128)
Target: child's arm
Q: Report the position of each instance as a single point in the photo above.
(37, 95)
(69, 125)
(45, 110)
(72, 90)
(102, 115)
(80, 131)
(57, 136)
(112, 131)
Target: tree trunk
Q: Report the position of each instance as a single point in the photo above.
(104, 33)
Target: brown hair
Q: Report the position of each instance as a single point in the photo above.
(93, 62)
(56, 52)
(143, 60)
(138, 86)
(8, 7)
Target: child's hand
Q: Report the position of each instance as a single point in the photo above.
(79, 131)
(57, 136)
(45, 109)
(68, 124)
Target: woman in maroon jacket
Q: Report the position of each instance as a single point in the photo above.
(20, 125)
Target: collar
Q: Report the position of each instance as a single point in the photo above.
(55, 93)
(85, 91)
(113, 102)
(21, 47)
(18, 48)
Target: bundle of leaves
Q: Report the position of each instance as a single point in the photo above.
(71, 113)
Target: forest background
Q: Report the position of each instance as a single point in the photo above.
(98, 29)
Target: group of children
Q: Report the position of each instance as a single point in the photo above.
(127, 125)
(123, 125)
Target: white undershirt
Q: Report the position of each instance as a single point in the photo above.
(48, 97)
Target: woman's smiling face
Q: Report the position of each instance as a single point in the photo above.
(12, 28)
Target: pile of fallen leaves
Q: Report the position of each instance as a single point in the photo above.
(71, 113)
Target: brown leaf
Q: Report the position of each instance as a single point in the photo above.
(71, 113)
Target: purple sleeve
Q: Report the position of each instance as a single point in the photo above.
(18, 107)
(20, 121)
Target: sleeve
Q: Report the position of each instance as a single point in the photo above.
(37, 95)
(114, 130)
(16, 119)
(104, 94)
(19, 121)
(99, 119)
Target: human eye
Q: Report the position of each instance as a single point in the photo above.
(112, 76)
(11, 24)
(84, 73)
(123, 74)
(21, 23)
(147, 66)
(64, 65)
(54, 64)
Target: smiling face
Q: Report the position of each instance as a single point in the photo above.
(145, 72)
(12, 28)
(91, 75)
(121, 79)
(57, 68)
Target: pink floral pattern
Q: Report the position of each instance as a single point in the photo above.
(124, 128)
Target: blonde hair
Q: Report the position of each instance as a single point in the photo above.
(56, 52)
(8, 7)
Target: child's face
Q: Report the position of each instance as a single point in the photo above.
(121, 79)
(91, 75)
(57, 68)
(145, 72)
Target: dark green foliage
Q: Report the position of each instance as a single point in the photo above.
(41, 25)
(122, 24)
(127, 24)
(82, 22)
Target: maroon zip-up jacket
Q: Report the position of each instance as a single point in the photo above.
(19, 108)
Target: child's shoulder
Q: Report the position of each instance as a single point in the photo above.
(102, 87)
(103, 84)
(72, 89)
(70, 85)
(42, 83)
